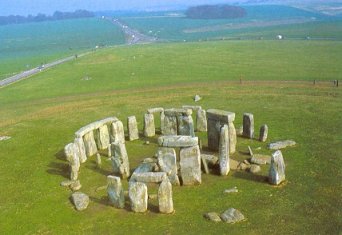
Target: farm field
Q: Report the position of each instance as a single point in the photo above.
(42, 113)
(26, 46)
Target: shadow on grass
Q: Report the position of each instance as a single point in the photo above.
(59, 168)
(100, 170)
(251, 177)
(102, 200)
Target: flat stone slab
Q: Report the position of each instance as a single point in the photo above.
(177, 141)
(176, 112)
(155, 110)
(261, 159)
(148, 177)
(4, 138)
(231, 190)
(95, 125)
(192, 107)
(80, 200)
(281, 144)
(220, 115)
(212, 216)
(232, 216)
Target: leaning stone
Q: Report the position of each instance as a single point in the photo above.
(72, 155)
(115, 191)
(232, 137)
(261, 159)
(165, 197)
(232, 190)
(76, 185)
(148, 177)
(138, 197)
(89, 143)
(185, 125)
(155, 110)
(132, 127)
(263, 133)
(197, 98)
(250, 151)
(102, 137)
(81, 149)
(201, 120)
(281, 144)
(277, 168)
(177, 141)
(120, 159)
(254, 169)
(118, 133)
(80, 200)
(212, 216)
(248, 125)
(232, 216)
(190, 165)
(224, 151)
(149, 127)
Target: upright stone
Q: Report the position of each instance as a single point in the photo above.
(224, 151)
(138, 196)
(102, 137)
(185, 125)
(248, 125)
(118, 133)
(149, 127)
(165, 197)
(162, 117)
(115, 191)
(232, 137)
(71, 153)
(132, 127)
(263, 133)
(201, 120)
(167, 162)
(81, 149)
(120, 159)
(277, 168)
(89, 143)
(169, 125)
(190, 165)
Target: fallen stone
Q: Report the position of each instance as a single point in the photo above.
(148, 177)
(281, 144)
(263, 133)
(132, 127)
(150, 160)
(165, 197)
(3, 138)
(232, 216)
(197, 98)
(80, 200)
(239, 131)
(234, 164)
(149, 127)
(212, 216)
(138, 197)
(250, 151)
(254, 169)
(232, 190)
(246, 162)
(190, 165)
(243, 166)
(76, 185)
(224, 151)
(147, 142)
(277, 168)
(177, 141)
(248, 125)
(115, 191)
(145, 167)
(261, 159)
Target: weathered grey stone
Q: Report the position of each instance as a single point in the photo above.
(3, 138)
(89, 143)
(185, 125)
(76, 185)
(232, 137)
(224, 151)
(263, 133)
(190, 165)
(248, 125)
(169, 125)
(250, 151)
(95, 125)
(120, 159)
(67, 183)
(281, 144)
(155, 110)
(132, 127)
(72, 156)
(192, 107)
(234, 164)
(254, 169)
(115, 191)
(150, 160)
(177, 141)
(205, 165)
(231, 190)
(102, 137)
(80, 200)
(261, 159)
(118, 133)
(211, 159)
(148, 177)
(201, 120)
(176, 112)
(165, 197)
(162, 117)
(98, 160)
(221, 115)
(138, 196)
(149, 127)
(81, 149)
(277, 168)
(212, 216)
(197, 98)
(167, 162)
(232, 216)
(145, 167)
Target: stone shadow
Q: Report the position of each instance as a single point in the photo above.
(59, 168)
(251, 177)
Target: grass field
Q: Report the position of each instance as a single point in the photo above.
(42, 113)
(25, 46)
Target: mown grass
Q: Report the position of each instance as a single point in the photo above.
(42, 113)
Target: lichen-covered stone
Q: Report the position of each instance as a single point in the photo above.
(224, 151)
(80, 200)
(81, 149)
(115, 191)
(185, 125)
(138, 196)
(155, 110)
(132, 127)
(120, 159)
(169, 125)
(281, 144)
(277, 168)
(263, 133)
(232, 216)
(201, 120)
(149, 127)
(190, 165)
(89, 143)
(72, 156)
(102, 137)
(212, 216)
(165, 197)
(177, 141)
(248, 125)
(117, 133)
(167, 162)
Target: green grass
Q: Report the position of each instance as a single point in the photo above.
(26, 46)
(42, 113)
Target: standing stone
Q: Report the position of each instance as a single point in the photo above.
(277, 168)
(224, 151)
(190, 165)
(81, 149)
(102, 137)
(248, 125)
(185, 125)
(120, 159)
(118, 133)
(132, 127)
(89, 143)
(232, 137)
(162, 117)
(149, 127)
(115, 191)
(98, 160)
(167, 162)
(138, 196)
(165, 197)
(263, 133)
(169, 125)
(201, 120)
(71, 153)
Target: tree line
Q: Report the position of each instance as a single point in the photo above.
(215, 12)
(58, 15)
